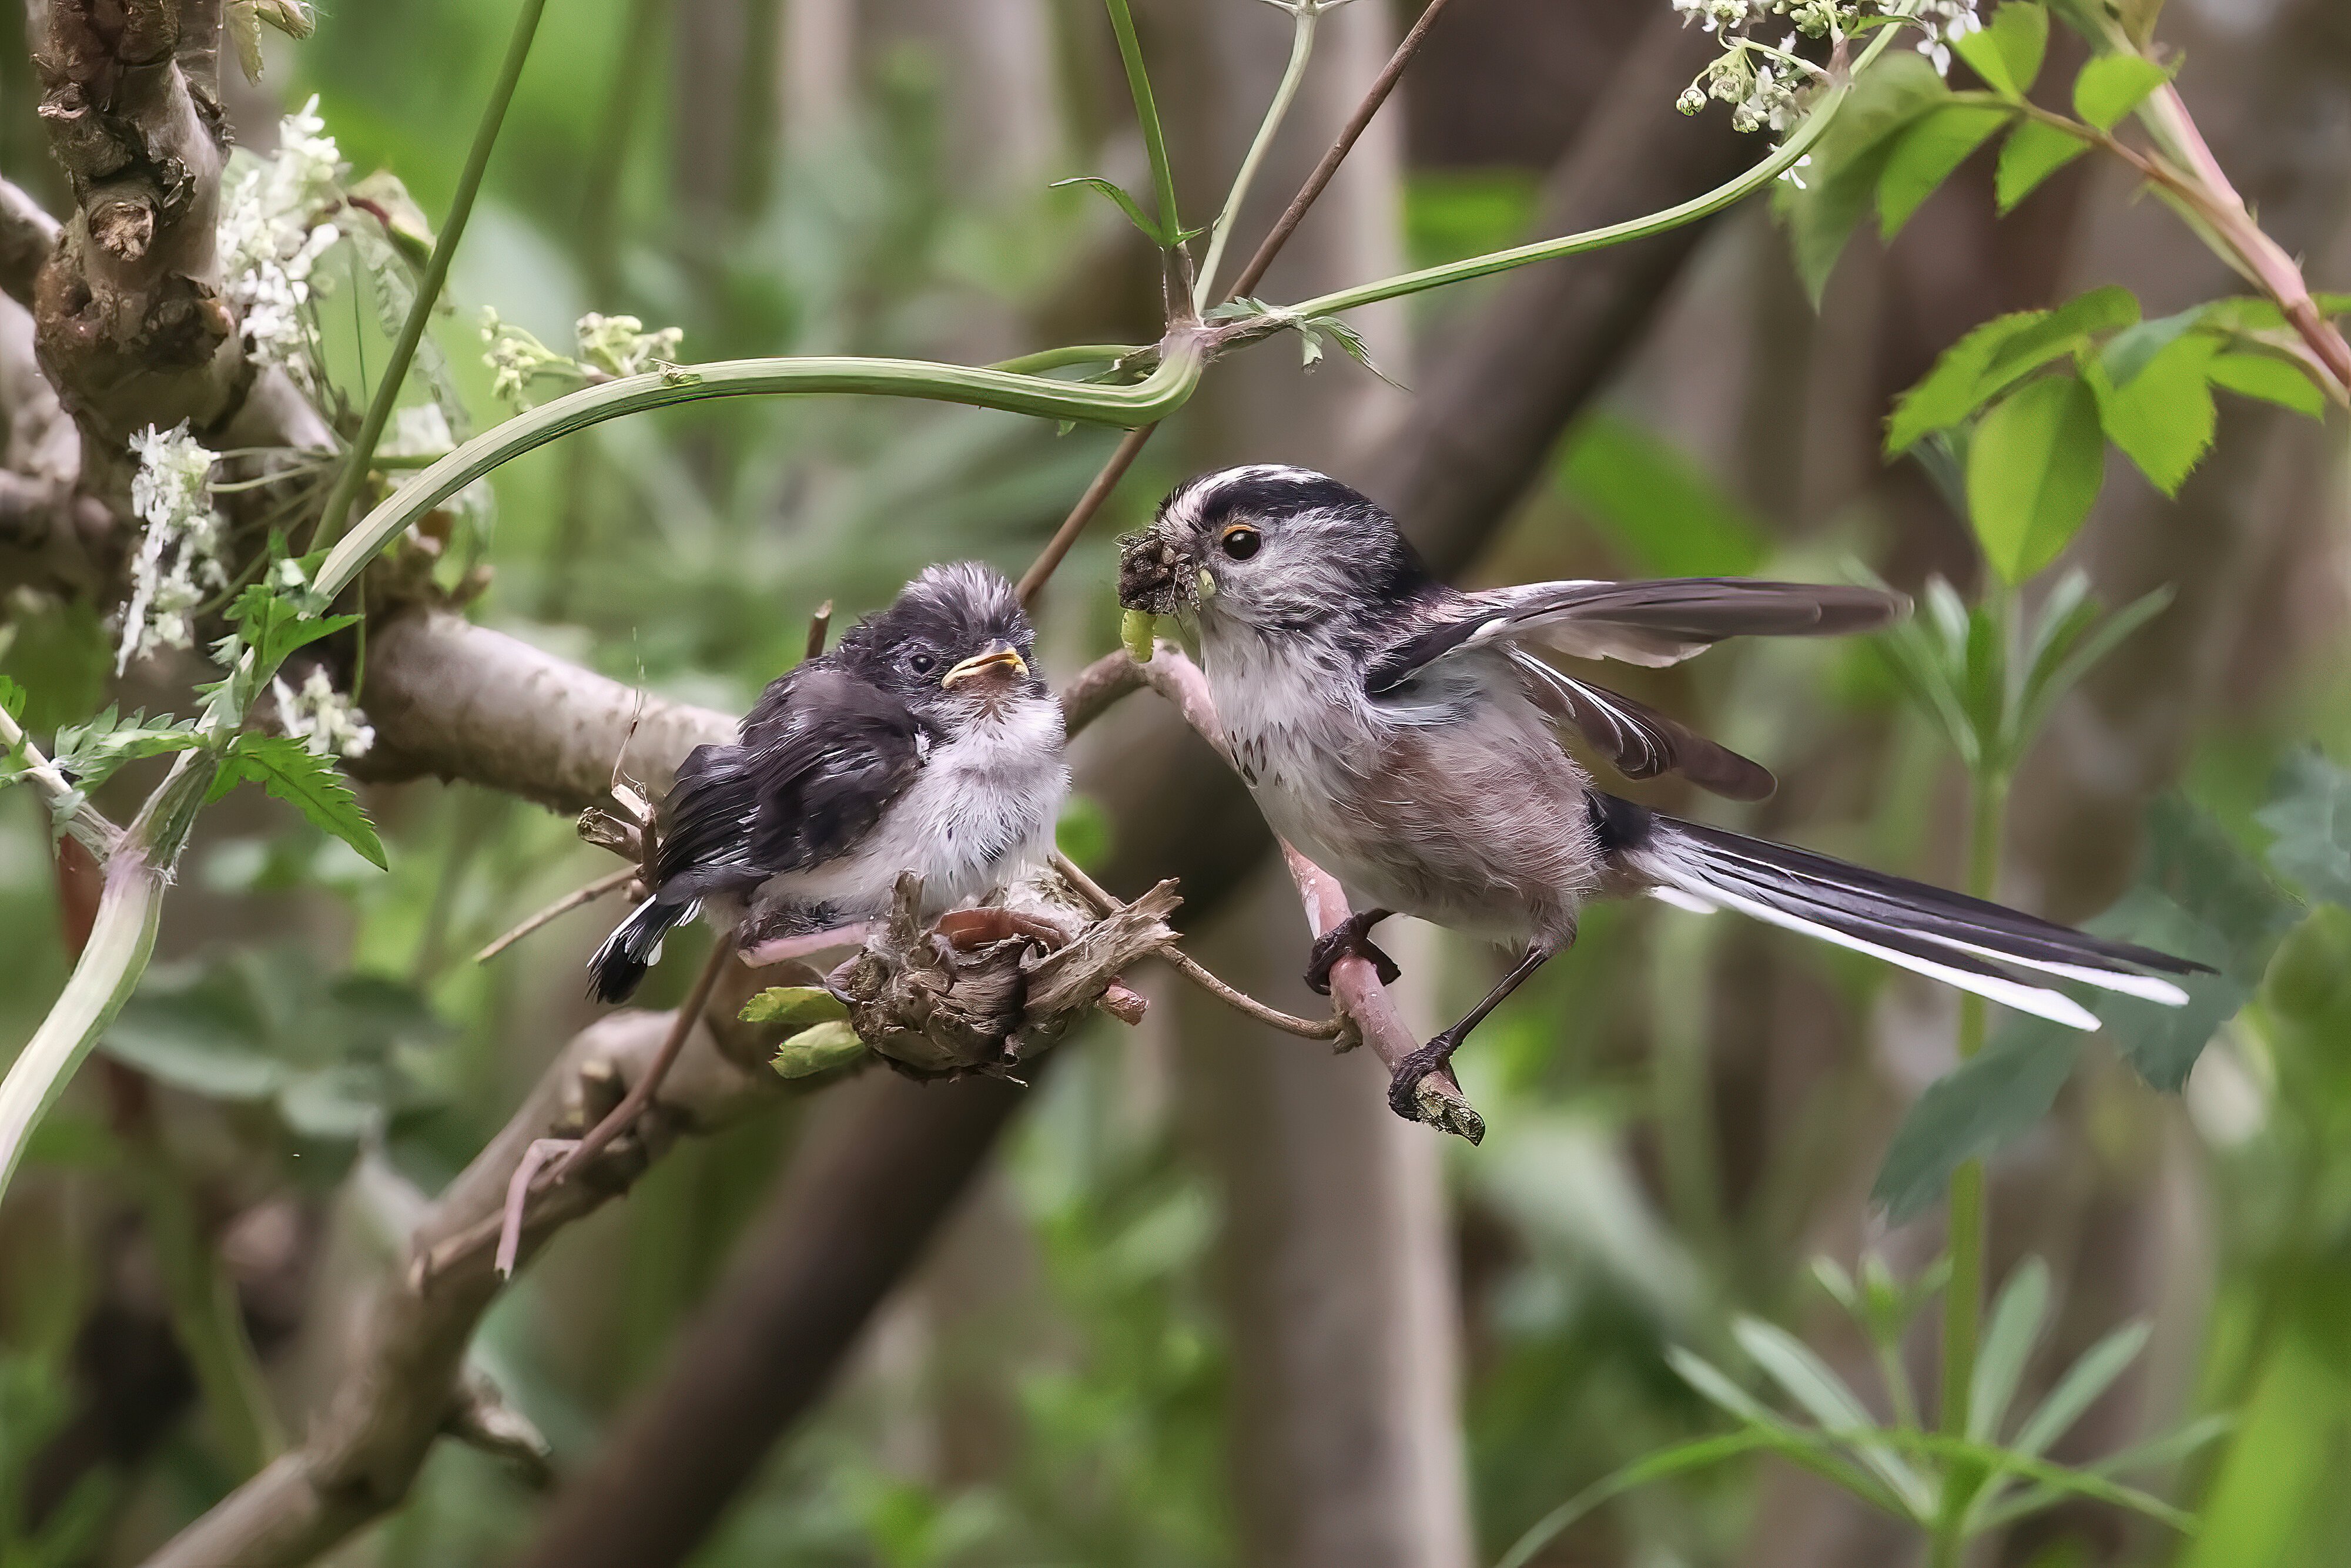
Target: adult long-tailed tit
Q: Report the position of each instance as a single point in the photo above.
(922, 741)
(1402, 734)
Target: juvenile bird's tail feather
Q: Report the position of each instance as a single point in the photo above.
(617, 967)
(1961, 941)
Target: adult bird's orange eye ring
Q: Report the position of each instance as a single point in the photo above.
(1240, 541)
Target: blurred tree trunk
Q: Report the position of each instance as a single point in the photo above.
(1335, 1256)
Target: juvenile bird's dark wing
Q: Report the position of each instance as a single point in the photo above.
(824, 761)
(1638, 740)
(1660, 623)
(706, 825)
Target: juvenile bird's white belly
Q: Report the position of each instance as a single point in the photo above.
(981, 809)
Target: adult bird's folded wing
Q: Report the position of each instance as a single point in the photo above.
(1656, 622)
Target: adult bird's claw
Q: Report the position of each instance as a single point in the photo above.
(1351, 938)
(1404, 1087)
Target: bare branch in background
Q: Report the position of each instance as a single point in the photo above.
(27, 235)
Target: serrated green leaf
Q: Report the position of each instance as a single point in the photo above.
(2111, 85)
(12, 699)
(1996, 355)
(2310, 813)
(2270, 379)
(2163, 418)
(1126, 202)
(2133, 348)
(1848, 159)
(2034, 469)
(1928, 154)
(291, 772)
(1977, 1109)
(2034, 150)
(2007, 51)
(823, 1048)
(789, 1005)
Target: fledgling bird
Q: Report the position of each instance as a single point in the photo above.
(1401, 735)
(922, 741)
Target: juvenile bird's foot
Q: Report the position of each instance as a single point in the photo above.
(1351, 938)
(1404, 1088)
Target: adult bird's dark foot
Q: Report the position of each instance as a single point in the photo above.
(1351, 938)
(1404, 1088)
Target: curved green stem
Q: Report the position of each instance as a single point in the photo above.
(1146, 115)
(1759, 178)
(1301, 50)
(1149, 399)
(1074, 354)
(354, 473)
(111, 961)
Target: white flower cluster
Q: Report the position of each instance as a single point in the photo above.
(1763, 81)
(270, 240)
(518, 358)
(619, 345)
(320, 717)
(178, 560)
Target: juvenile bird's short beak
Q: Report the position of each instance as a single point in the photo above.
(1001, 656)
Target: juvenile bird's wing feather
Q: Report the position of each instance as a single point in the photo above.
(1638, 740)
(1660, 623)
(823, 766)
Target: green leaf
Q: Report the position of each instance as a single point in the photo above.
(1977, 1109)
(2007, 1342)
(2156, 1453)
(291, 772)
(12, 699)
(2034, 469)
(2134, 349)
(2080, 1388)
(822, 1049)
(2007, 51)
(2163, 418)
(1928, 154)
(2273, 380)
(1848, 159)
(2111, 85)
(2034, 150)
(1810, 1384)
(2310, 813)
(1993, 357)
(1698, 1453)
(2057, 671)
(1656, 504)
(789, 1005)
(1126, 204)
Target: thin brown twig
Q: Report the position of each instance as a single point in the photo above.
(641, 1093)
(518, 1186)
(1308, 193)
(1122, 458)
(609, 883)
(820, 624)
(1240, 1001)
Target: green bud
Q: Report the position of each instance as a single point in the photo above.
(791, 1005)
(819, 1050)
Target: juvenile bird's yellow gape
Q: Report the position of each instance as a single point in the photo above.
(1402, 734)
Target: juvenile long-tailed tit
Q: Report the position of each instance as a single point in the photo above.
(922, 741)
(1402, 734)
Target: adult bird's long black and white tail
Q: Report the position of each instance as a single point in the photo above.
(1961, 941)
(616, 967)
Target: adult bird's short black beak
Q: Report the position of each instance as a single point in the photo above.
(1002, 661)
(1156, 574)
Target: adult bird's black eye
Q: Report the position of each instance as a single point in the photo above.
(1241, 542)
(923, 663)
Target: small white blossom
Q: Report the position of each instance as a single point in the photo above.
(177, 563)
(1765, 84)
(619, 345)
(320, 717)
(518, 358)
(270, 244)
(1794, 172)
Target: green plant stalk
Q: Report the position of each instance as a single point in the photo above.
(1073, 354)
(1145, 402)
(1784, 158)
(206, 1317)
(120, 939)
(1146, 115)
(1301, 50)
(345, 493)
(1963, 1297)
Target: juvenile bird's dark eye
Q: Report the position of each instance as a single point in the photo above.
(1241, 542)
(922, 664)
